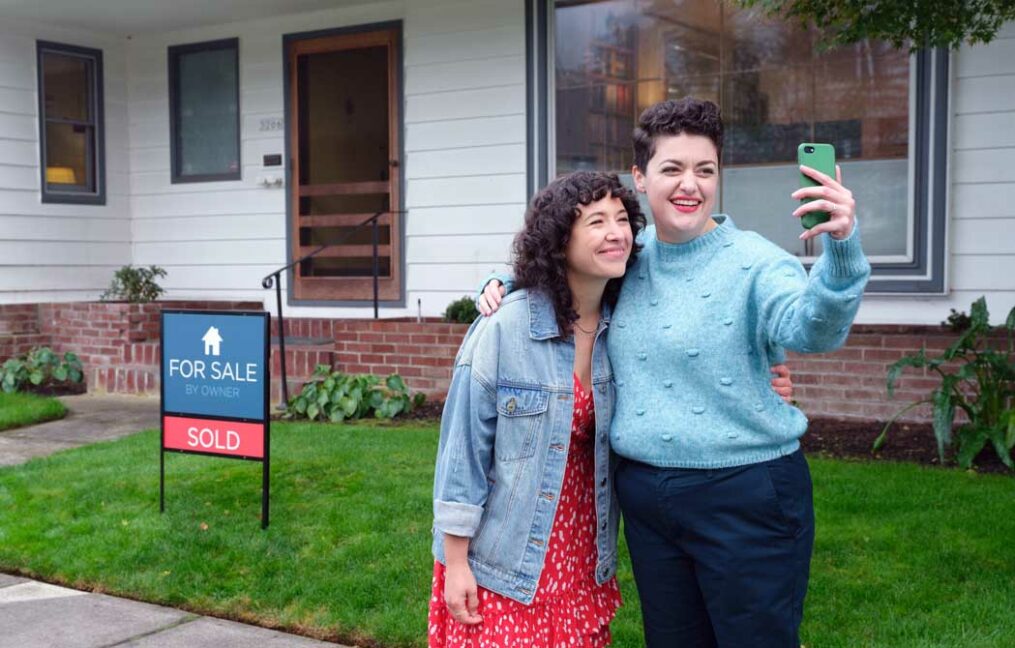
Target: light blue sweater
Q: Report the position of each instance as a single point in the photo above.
(690, 339)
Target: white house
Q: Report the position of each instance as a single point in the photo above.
(223, 140)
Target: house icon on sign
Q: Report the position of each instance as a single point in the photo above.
(212, 340)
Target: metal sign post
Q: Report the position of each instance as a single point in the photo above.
(215, 382)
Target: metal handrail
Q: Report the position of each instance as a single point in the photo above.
(274, 279)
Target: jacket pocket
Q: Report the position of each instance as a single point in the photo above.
(521, 412)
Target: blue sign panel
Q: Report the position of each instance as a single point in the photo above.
(214, 364)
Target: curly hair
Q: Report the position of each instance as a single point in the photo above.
(673, 117)
(540, 249)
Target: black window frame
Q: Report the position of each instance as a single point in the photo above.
(174, 52)
(924, 275)
(97, 124)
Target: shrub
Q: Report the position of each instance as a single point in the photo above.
(462, 310)
(135, 285)
(335, 396)
(40, 367)
(976, 378)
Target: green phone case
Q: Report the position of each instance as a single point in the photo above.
(822, 158)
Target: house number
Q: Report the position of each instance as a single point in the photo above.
(270, 124)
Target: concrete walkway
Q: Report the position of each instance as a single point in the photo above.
(40, 615)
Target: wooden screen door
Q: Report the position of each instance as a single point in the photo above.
(344, 157)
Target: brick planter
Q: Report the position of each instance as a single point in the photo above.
(118, 345)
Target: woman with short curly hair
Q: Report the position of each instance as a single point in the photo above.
(525, 523)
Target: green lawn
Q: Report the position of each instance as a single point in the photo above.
(905, 556)
(17, 410)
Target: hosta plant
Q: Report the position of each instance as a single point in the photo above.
(335, 396)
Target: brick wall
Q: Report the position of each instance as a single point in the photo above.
(118, 344)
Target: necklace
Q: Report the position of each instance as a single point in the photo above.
(583, 330)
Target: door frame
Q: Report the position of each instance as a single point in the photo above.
(398, 173)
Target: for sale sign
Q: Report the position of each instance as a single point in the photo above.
(215, 382)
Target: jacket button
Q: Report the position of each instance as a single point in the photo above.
(602, 482)
(511, 405)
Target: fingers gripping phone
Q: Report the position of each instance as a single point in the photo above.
(822, 158)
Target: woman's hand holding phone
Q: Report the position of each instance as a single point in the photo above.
(829, 196)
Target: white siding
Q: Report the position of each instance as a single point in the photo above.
(464, 116)
(52, 252)
(981, 236)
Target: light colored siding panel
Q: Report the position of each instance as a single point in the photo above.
(481, 44)
(71, 230)
(45, 253)
(19, 178)
(460, 249)
(932, 310)
(983, 272)
(250, 201)
(985, 94)
(983, 200)
(148, 160)
(993, 236)
(976, 131)
(432, 136)
(19, 74)
(484, 190)
(33, 283)
(451, 17)
(984, 165)
(19, 152)
(480, 160)
(18, 127)
(465, 75)
(462, 278)
(220, 278)
(220, 228)
(28, 202)
(997, 57)
(15, 100)
(465, 104)
(211, 253)
(262, 100)
(449, 221)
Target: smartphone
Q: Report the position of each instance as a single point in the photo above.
(822, 158)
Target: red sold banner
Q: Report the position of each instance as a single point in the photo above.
(209, 436)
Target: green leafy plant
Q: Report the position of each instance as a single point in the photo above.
(38, 368)
(462, 310)
(335, 396)
(903, 24)
(976, 378)
(135, 285)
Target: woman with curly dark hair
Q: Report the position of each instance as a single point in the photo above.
(525, 522)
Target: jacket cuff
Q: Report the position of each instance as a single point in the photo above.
(845, 257)
(456, 518)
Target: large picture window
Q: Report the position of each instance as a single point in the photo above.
(204, 99)
(776, 87)
(71, 124)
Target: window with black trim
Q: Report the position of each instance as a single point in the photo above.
(884, 110)
(204, 111)
(71, 137)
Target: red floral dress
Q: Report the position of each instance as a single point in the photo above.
(569, 609)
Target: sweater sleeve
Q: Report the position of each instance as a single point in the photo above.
(506, 278)
(812, 314)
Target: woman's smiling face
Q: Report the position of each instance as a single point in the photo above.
(681, 180)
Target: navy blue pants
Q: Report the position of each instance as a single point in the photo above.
(721, 557)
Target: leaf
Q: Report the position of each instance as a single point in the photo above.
(1003, 450)
(418, 399)
(337, 415)
(944, 418)
(1009, 437)
(329, 384)
(76, 375)
(348, 405)
(322, 398)
(970, 445)
(918, 360)
(70, 356)
(1010, 322)
(35, 377)
(60, 374)
(300, 405)
(395, 383)
(312, 411)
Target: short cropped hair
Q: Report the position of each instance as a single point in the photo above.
(673, 117)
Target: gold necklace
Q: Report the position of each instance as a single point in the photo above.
(583, 330)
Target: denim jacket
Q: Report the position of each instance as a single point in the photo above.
(504, 441)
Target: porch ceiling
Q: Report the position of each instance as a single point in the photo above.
(130, 17)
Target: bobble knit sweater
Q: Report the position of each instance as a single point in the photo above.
(691, 343)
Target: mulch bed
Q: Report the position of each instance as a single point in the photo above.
(840, 439)
(914, 442)
(56, 389)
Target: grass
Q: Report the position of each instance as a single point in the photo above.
(18, 410)
(905, 556)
